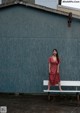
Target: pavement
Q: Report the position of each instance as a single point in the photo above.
(34, 103)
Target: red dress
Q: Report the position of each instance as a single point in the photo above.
(54, 77)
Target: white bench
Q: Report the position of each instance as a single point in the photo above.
(75, 84)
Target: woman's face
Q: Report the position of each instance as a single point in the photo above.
(54, 52)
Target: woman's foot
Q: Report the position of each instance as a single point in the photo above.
(48, 89)
(60, 86)
(61, 89)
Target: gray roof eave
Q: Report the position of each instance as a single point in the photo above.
(39, 7)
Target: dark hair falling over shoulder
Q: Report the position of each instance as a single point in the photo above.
(56, 54)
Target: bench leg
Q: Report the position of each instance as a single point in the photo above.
(77, 96)
(48, 95)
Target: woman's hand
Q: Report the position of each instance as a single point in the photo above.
(57, 71)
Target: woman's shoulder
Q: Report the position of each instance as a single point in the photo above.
(49, 59)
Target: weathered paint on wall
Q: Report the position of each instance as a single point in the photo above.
(27, 38)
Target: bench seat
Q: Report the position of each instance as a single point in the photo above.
(75, 84)
(63, 91)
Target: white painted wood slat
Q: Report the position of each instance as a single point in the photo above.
(64, 83)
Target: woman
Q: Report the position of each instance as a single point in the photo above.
(54, 76)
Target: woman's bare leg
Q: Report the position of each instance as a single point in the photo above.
(60, 86)
(49, 85)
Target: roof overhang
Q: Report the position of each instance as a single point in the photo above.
(38, 7)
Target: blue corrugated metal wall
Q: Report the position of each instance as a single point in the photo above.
(27, 38)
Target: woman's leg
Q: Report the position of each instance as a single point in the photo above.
(49, 85)
(60, 86)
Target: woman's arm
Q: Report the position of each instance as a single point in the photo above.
(58, 66)
(58, 69)
(49, 67)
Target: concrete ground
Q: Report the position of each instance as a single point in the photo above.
(25, 103)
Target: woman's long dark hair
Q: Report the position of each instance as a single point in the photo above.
(56, 54)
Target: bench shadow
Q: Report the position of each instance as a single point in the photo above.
(64, 100)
